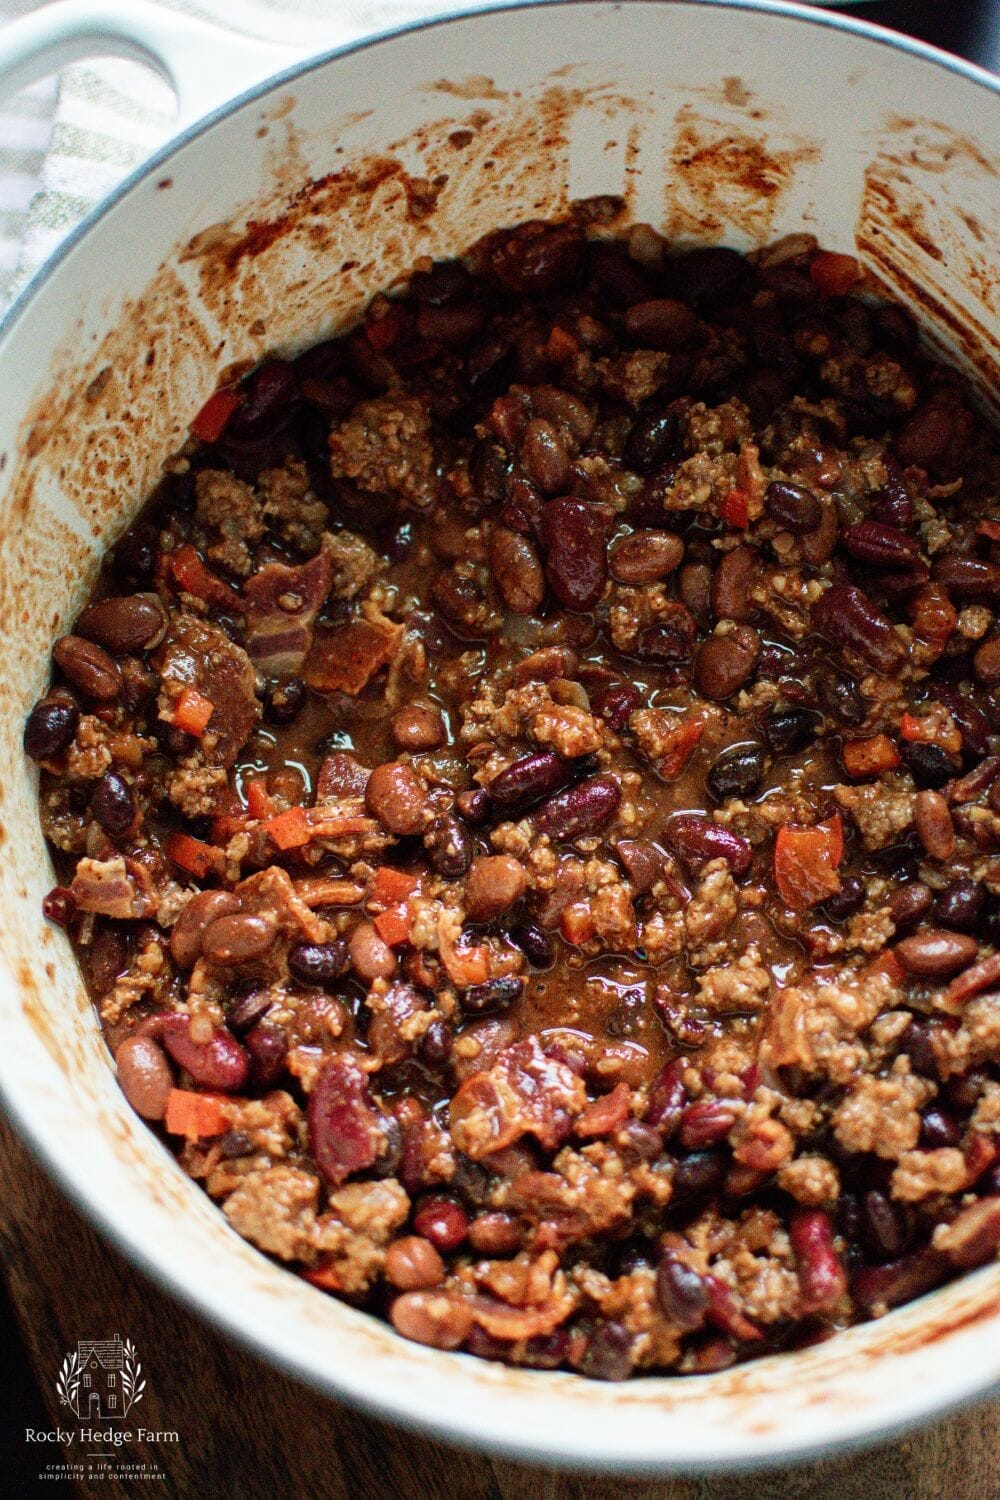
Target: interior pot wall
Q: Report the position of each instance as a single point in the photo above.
(271, 229)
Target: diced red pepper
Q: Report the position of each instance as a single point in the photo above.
(870, 757)
(679, 746)
(290, 830)
(210, 423)
(736, 510)
(806, 860)
(195, 856)
(325, 1277)
(192, 711)
(194, 1115)
(834, 274)
(393, 925)
(391, 886)
(560, 346)
(259, 804)
(383, 332)
(191, 575)
(935, 728)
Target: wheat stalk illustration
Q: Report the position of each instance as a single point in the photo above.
(133, 1383)
(68, 1381)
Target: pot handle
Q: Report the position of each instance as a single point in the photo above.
(203, 63)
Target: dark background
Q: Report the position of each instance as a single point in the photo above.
(970, 28)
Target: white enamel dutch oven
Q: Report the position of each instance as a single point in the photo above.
(267, 225)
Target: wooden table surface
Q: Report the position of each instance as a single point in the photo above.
(246, 1432)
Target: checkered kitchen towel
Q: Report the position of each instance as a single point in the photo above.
(65, 143)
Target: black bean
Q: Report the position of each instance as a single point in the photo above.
(792, 506)
(318, 963)
(917, 1044)
(434, 1048)
(737, 772)
(50, 728)
(938, 1129)
(285, 701)
(134, 558)
(885, 1229)
(848, 900)
(493, 995)
(929, 765)
(699, 1172)
(791, 729)
(961, 905)
(608, 1355)
(841, 697)
(681, 1293)
(535, 944)
(113, 804)
(449, 846)
(653, 439)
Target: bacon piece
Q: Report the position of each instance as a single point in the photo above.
(282, 605)
(109, 888)
(524, 1093)
(346, 659)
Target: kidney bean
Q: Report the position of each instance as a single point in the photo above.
(494, 883)
(124, 623)
(968, 578)
(491, 996)
(724, 663)
(443, 1222)
(397, 797)
(346, 1132)
(217, 1064)
(681, 1293)
(517, 571)
(580, 809)
(929, 765)
(238, 939)
(449, 846)
(961, 905)
(473, 805)
(88, 667)
(969, 717)
(495, 1233)
(50, 727)
(932, 820)
(848, 618)
(645, 556)
(654, 438)
(661, 323)
(528, 780)
(789, 730)
(973, 1237)
(608, 1354)
(434, 1047)
(821, 1276)
(883, 1224)
(456, 323)
(845, 902)
(694, 838)
(544, 457)
(108, 957)
(439, 1320)
(412, 1264)
(706, 1122)
(880, 545)
(418, 727)
(536, 258)
(899, 1281)
(113, 803)
(792, 506)
(725, 1313)
(269, 387)
(576, 562)
(642, 862)
(671, 639)
(318, 963)
(199, 914)
(694, 589)
(924, 437)
(371, 958)
(939, 1129)
(974, 980)
(59, 905)
(615, 703)
(737, 772)
(936, 953)
(144, 1076)
(732, 584)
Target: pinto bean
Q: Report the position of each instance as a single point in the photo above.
(681, 1293)
(581, 809)
(371, 957)
(412, 1264)
(987, 662)
(909, 903)
(397, 797)
(418, 726)
(645, 556)
(732, 584)
(220, 1063)
(124, 623)
(88, 667)
(108, 957)
(238, 939)
(428, 1317)
(493, 884)
(936, 953)
(661, 323)
(198, 915)
(517, 571)
(144, 1076)
(694, 589)
(725, 662)
(924, 438)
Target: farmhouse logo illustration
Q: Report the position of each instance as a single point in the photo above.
(102, 1380)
